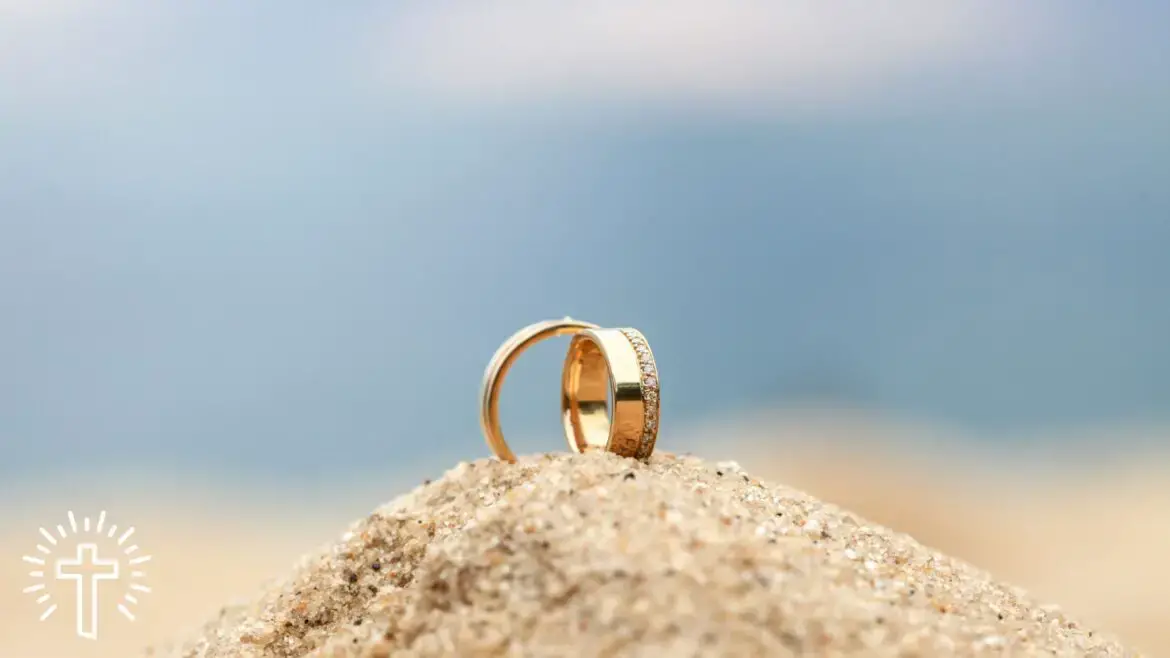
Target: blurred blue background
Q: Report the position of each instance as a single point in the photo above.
(285, 238)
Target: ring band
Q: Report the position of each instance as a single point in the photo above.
(497, 369)
(604, 368)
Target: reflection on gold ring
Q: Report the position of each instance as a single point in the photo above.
(610, 368)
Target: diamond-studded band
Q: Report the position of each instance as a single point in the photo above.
(650, 391)
(610, 393)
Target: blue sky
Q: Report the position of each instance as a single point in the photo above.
(230, 232)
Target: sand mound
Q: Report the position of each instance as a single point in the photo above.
(597, 555)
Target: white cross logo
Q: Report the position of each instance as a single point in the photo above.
(87, 566)
(86, 570)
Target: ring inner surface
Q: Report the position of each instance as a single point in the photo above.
(587, 391)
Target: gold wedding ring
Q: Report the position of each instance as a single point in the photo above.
(493, 378)
(604, 369)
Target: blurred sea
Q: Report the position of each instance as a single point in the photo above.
(1005, 274)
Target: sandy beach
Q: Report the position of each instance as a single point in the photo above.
(596, 555)
(1090, 538)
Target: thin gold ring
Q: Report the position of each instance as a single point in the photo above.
(497, 369)
(604, 368)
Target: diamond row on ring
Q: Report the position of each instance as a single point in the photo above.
(650, 391)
